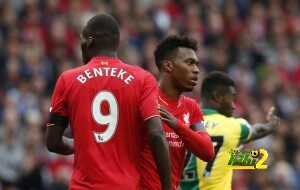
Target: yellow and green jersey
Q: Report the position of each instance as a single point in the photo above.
(226, 133)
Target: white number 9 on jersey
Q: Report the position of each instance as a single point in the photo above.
(111, 119)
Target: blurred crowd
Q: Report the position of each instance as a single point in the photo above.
(256, 42)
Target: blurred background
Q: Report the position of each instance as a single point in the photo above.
(256, 42)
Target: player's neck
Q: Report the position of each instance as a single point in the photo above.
(105, 53)
(209, 105)
(168, 89)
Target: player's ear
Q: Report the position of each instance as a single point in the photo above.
(167, 66)
(89, 41)
(217, 97)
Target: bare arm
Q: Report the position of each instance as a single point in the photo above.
(55, 140)
(160, 150)
(260, 130)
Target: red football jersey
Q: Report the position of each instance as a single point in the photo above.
(106, 102)
(186, 110)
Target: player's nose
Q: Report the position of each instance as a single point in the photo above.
(233, 105)
(195, 69)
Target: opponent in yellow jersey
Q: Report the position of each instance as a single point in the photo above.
(227, 133)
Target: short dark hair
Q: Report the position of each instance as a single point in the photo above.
(215, 81)
(104, 30)
(171, 43)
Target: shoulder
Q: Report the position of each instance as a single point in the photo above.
(242, 121)
(143, 77)
(67, 78)
(245, 129)
(190, 101)
(232, 120)
(215, 117)
(243, 124)
(137, 71)
(72, 72)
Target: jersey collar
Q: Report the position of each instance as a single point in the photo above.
(168, 101)
(209, 111)
(103, 59)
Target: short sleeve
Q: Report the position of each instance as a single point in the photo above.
(197, 115)
(245, 130)
(148, 100)
(58, 101)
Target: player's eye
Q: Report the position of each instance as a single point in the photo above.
(190, 62)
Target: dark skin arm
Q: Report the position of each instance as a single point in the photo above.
(167, 117)
(261, 130)
(172, 120)
(55, 140)
(160, 150)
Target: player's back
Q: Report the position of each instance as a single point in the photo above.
(226, 134)
(104, 100)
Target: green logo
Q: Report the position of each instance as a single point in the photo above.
(248, 159)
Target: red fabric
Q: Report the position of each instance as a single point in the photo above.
(173, 9)
(296, 77)
(64, 5)
(111, 164)
(233, 30)
(198, 142)
(186, 110)
(59, 164)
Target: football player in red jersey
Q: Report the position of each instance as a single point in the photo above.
(111, 108)
(178, 65)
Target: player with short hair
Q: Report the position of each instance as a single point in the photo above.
(227, 133)
(178, 65)
(111, 108)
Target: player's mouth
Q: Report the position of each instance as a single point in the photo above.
(194, 81)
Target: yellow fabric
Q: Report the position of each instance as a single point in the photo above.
(230, 130)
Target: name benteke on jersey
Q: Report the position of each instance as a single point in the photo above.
(121, 74)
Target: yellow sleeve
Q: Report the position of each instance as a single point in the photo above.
(245, 130)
